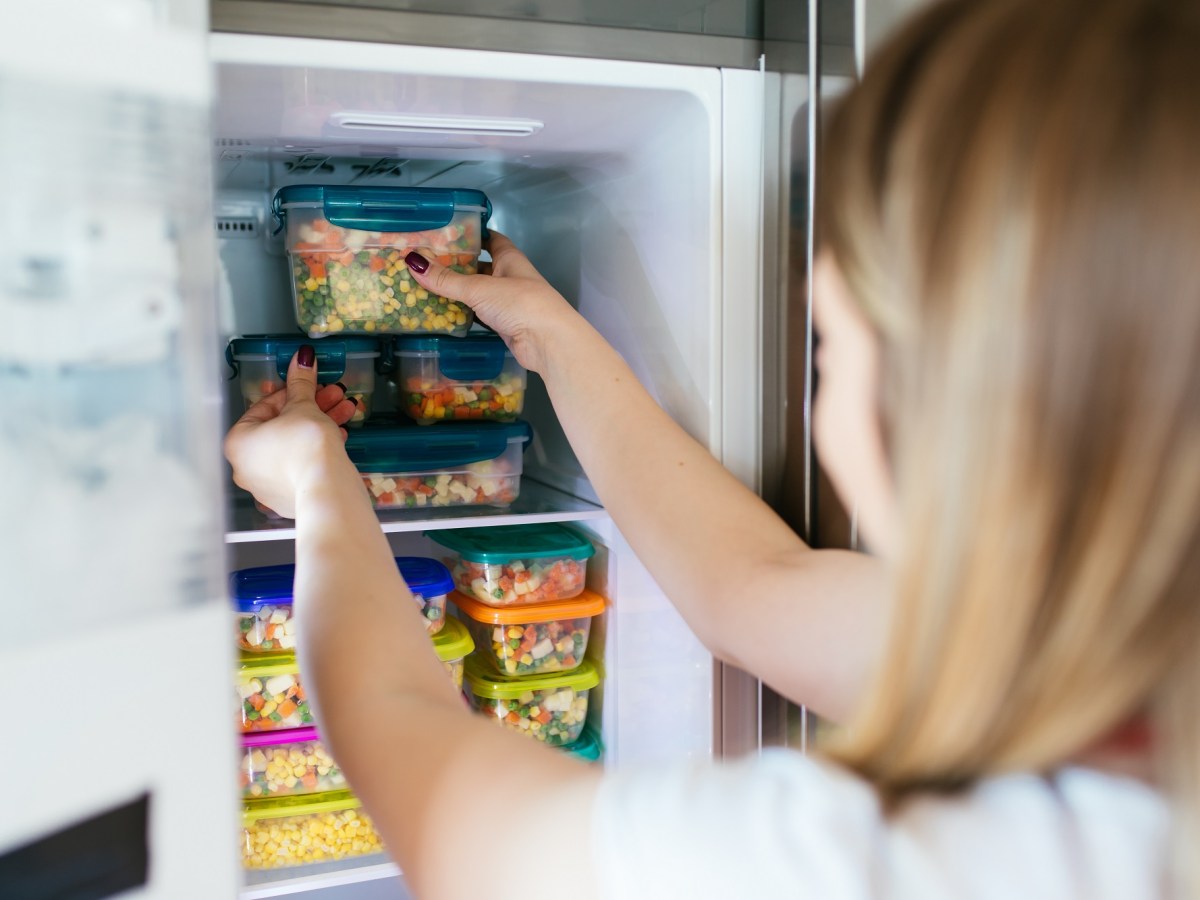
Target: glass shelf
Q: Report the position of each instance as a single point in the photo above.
(536, 503)
(260, 884)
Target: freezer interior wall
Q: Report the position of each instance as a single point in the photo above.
(615, 198)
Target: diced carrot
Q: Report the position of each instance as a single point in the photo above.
(316, 269)
(320, 225)
(377, 262)
(445, 259)
(309, 779)
(299, 693)
(346, 259)
(387, 498)
(477, 413)
(462, 412)
(568, 661)
(544, 716)
(512, 719)
(286, 708)
(466, 259)
(257, 701)
(425, 489)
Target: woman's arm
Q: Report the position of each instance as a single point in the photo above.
(806, 622)
(420, 762)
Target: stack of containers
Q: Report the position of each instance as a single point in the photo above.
(346, 248)
(520, 591)
(297, 808)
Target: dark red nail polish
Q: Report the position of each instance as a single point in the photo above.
(306, 356)
(342, 386)
(416, 262)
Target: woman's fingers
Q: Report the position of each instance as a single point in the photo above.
(302, 376)
(342, 411)
(469, 289)
(507, 260)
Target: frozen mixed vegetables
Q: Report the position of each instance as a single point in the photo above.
(272, 702)
(270, 628)
(296, 767)
(273, 842)
(429, 400)
(490, 482)
(521, 581)
(555, 716)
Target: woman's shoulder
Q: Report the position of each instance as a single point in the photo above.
(785, 823)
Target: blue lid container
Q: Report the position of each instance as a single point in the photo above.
(251, 589)
(425, 577)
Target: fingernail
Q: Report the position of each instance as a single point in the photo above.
(353, 400)
(416, 262)
(306, 356)
(342, 386)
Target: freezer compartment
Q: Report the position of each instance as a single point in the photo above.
(287, 763)
(528, 639)
(549, 708)
(296, 831)
(261, 364)
(453, 644)
(475, 377)
(430, 582)
(519, 564)
(347, 247)
(272, 697)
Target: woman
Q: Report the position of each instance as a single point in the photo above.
(1009, 304)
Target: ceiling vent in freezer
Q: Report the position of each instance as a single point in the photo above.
(419, 124)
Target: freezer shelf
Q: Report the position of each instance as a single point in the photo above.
(324, 879)
(536, 503)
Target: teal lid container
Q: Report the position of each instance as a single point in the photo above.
(476, 357)
(410, 448)
(496, 546)
(587, 747)
(382, 208)
(331, 352)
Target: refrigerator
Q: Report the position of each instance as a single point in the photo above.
(659, 175)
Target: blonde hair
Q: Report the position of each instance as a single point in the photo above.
(1013, 194)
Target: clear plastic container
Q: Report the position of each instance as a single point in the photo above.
(296, 831)
(453, 644)
(287, 763)
(272, 697)
(346, 247)
(262, 597)
(517, 564)
(588, 747)
(459, 464)
(474, 377)
(261, 363)
(429, 582)
(527, 639)
(549, 708)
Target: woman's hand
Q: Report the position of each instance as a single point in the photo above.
(515, 300)
(283, 436)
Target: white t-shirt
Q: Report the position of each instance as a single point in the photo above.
(783, 825)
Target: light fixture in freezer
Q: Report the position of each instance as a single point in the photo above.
(431, 124)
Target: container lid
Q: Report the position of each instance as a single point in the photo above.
(266, 666)
(251, 589)
(453, 641)
(331, 352)
(496, 546)
(426, 577)
(283, 736)
(486, 683)
(586, 604)
(586, 747)
(475, 357)
(383, 208)
(411, 448)
(255, 808)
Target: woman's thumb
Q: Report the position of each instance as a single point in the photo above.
(443, 281)
(302, 375)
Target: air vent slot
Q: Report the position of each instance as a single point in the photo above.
(237, 227)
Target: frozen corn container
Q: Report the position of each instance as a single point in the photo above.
(551, 708)
(441, 378)
(347, 247)
(262, 599)
(516, 564)
(285, 763)
(260, 363)
(272, 697)
(529, 639)
(453, 644)
(458, 464)
(429, 582)
(296, 831)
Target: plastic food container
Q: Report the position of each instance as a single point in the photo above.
(295, 831)
(529, 640)
(458, 464)
(346, 247)
(517, 564)
(452, 645)
(285, 763)
(261, 363)
(475, 377)
(262, 597)
(587, 748)
(271, 694)
(550, 708)
(429, 582)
